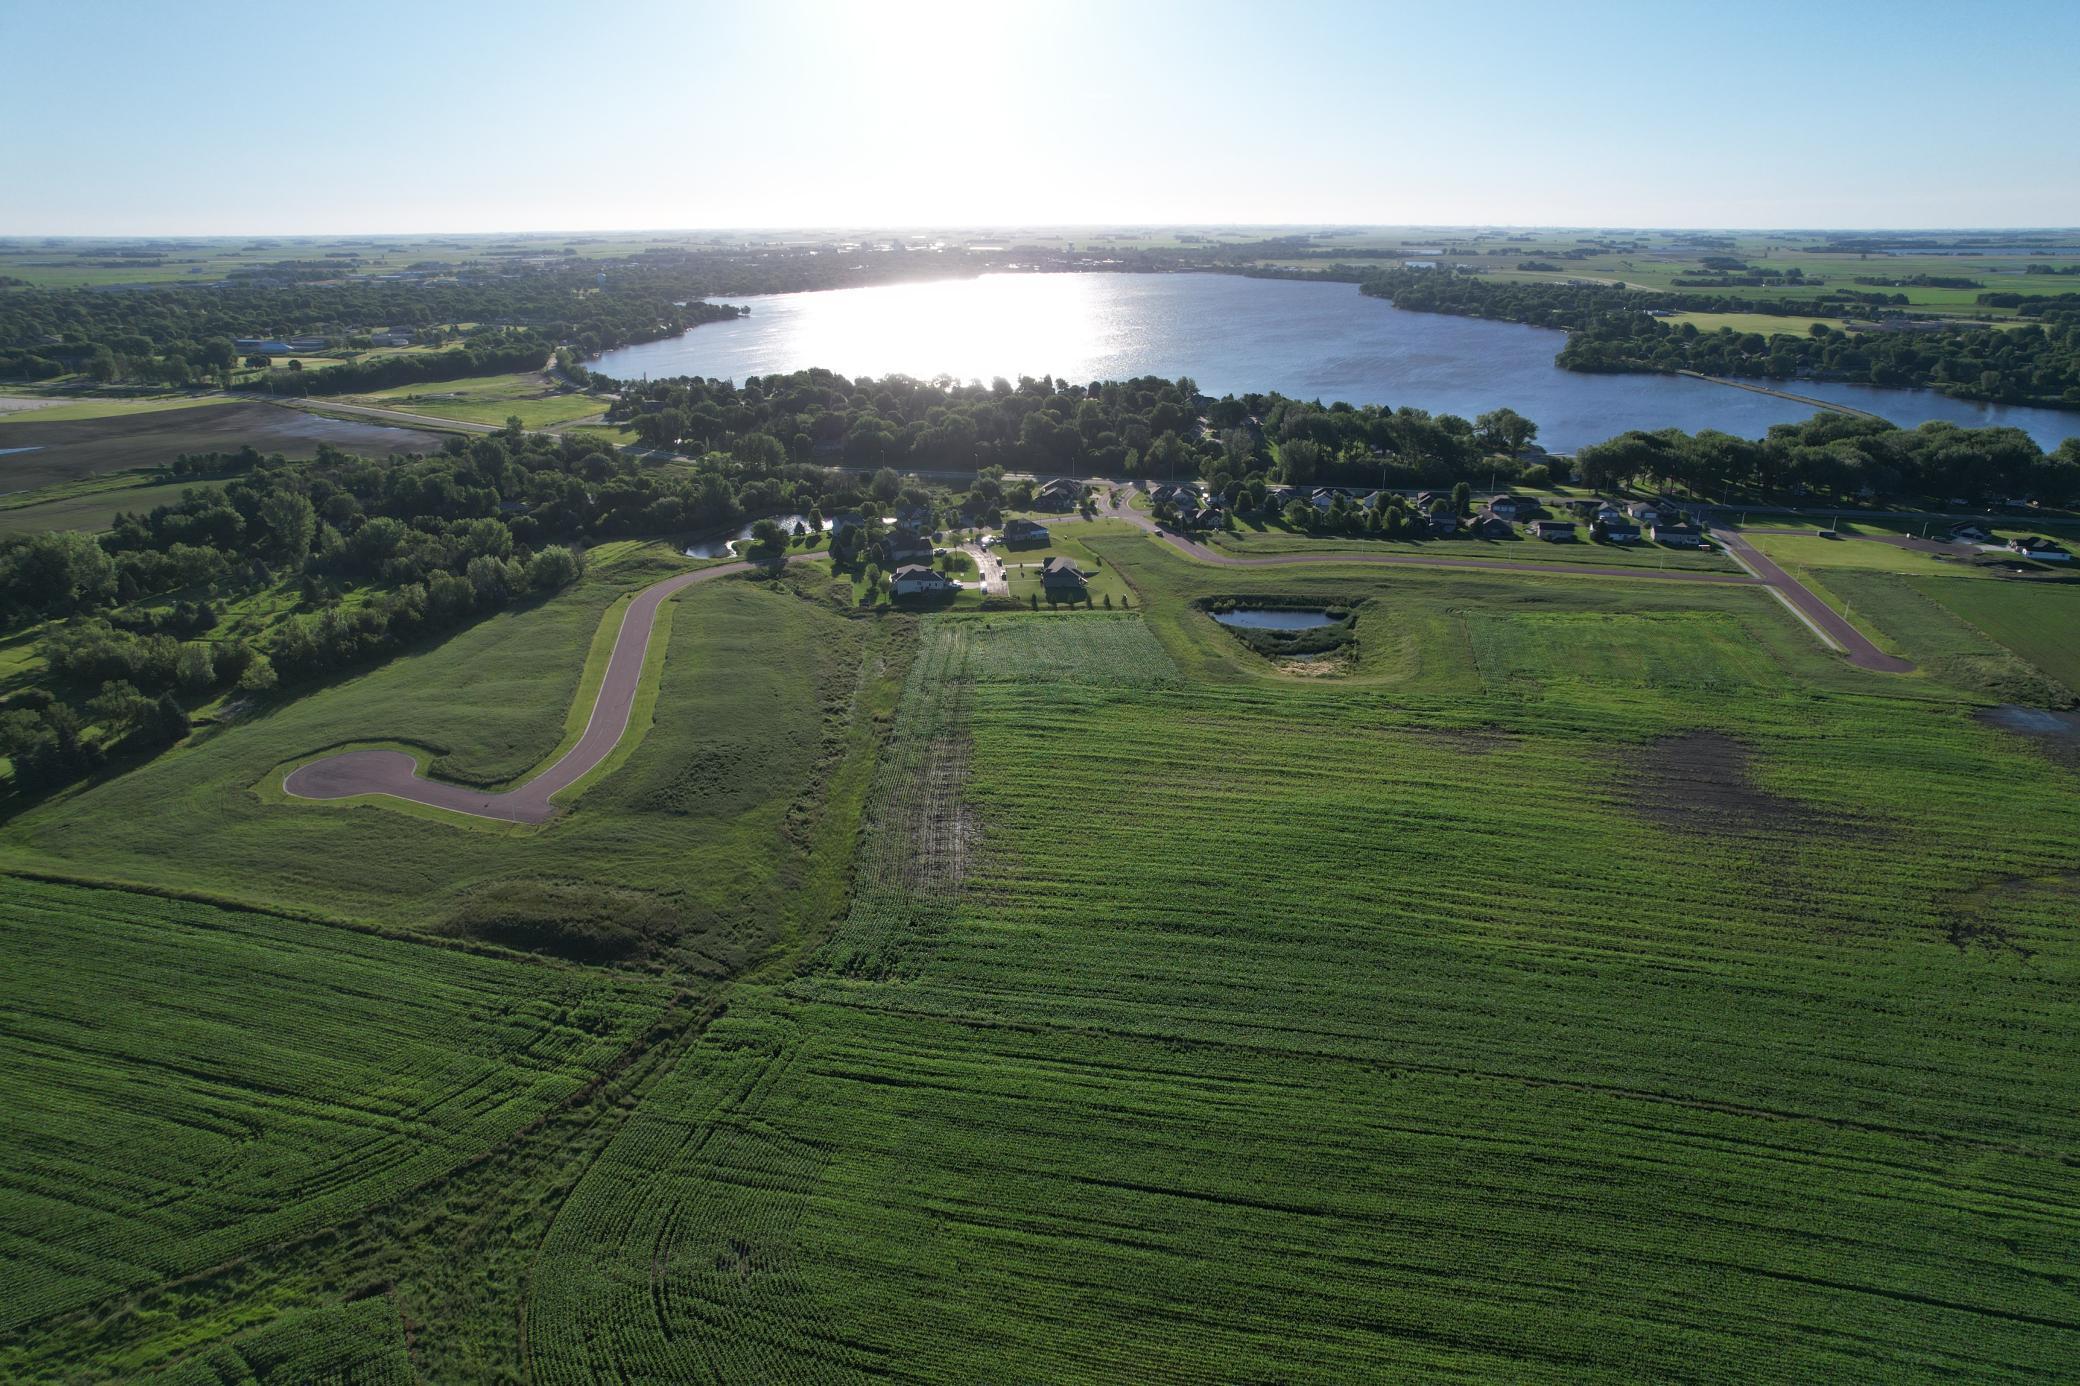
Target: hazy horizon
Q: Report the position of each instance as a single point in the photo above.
(1102, 228)
(809, 115)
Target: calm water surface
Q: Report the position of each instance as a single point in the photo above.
(1233, 335)
(1268, 618)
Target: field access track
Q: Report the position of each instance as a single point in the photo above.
(1830, 626)
(396, 774)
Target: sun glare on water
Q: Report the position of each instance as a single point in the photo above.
(954, 327)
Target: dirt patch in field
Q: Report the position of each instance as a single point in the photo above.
(66, 449)
(2055, 734)
(943, 829)
(1990, 916)
(1699, 783)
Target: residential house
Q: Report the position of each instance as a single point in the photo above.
(1205, 518)
(390, 338)
(1488, 525)
(1443, 522)
(1061, 578)
(1552, 531)
(906, 545)
(1059, 494)
(916, 580)
(1024, 532)
(1618, 530)
(1969, 533)
(1680, 535)
(2043, 550)
(1509, 507)
(1645, 512)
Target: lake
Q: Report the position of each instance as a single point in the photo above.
(1235, 335)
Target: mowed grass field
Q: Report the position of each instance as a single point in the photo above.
(1254, 540)
(1592, 1030)
(1768, 324)
(2039, 622)
(528, 395)
(1600, 981)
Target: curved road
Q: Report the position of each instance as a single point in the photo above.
(394, 773)
(1823, 620)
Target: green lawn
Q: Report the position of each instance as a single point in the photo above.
(1022, 568)
(1811, 551)
(489, 399)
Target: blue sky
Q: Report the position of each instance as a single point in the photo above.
(146, 118)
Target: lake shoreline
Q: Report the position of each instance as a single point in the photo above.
(1242, 334)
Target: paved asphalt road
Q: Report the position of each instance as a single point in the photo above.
(395, 774)
(1830, 624)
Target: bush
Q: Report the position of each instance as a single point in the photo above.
(554, 568)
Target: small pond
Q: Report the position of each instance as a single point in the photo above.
(1273, 618)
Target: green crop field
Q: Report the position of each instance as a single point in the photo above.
(1224, 1071)
(297, 1074)
(1590, 978)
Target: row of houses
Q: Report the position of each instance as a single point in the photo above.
(2031, 546)
(279, 346)
(1060, 579)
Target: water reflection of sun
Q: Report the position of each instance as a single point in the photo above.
(957, 327)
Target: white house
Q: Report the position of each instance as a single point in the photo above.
(916, 580)
(2041, 549)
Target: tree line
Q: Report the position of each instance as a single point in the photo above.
(1616, 329)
